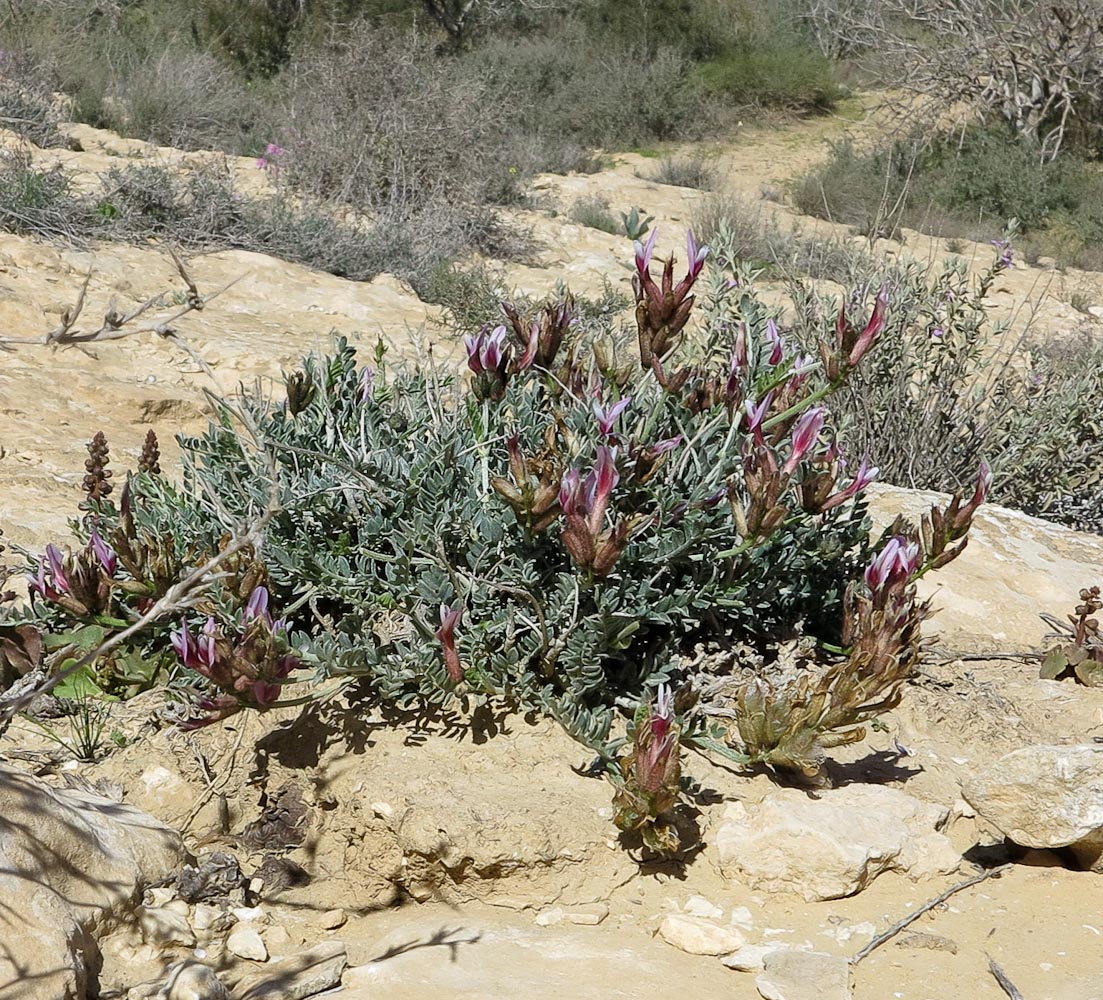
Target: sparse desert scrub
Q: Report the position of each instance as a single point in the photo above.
(559, 536)
(969, 186)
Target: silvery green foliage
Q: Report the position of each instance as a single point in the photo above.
(389, 511)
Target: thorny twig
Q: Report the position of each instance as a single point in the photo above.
(926, 907)
(117, 325)
(1002, 978)
(184, 593)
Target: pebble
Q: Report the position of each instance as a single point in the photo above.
(332, 919)
(698, 906)
(749, 958)
(205, 916)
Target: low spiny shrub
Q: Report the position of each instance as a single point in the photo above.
(559, 536)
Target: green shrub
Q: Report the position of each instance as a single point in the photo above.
(969, 187)
(378, 121)
(27, 105)
(741, 231)
(565, 536)
(780, 71)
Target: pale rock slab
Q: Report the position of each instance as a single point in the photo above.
(1045, 797)
(245, 942)
(699, 936)
(833, 846)
(1015, 566)
(70, 863)
(193, 981)
(804, 975)
(298, 976)
(165, 927)
(698, 906)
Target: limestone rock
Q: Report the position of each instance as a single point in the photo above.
(699, 936)
(245, 942)
(1045, 796)
(332, 919)
(833, 846)
(69, 860)
(193, 981)
(163, 926)
(298, 976)
(804, 975)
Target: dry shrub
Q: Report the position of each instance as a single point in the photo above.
(375, 119)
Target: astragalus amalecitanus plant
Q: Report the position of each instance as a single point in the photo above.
(562, 534)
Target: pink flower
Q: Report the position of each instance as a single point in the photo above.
(644, 253)
(895, 563)
(104, 553)
(865, 476)
(57, 568)
(487, 351)
(805, 435)
(873, 329)
(776, 342)
(757, 414)
(695, 255)
(606, 418)
(446, 636)
(569, 489)
(984, 485)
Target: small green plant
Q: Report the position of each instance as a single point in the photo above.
(1080, 654)
(685, 171)
(593, 211)
(635, 226)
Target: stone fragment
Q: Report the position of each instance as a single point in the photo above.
(193, 981)
(245, 942)
(741, 917)
(835, 845)
(699, 936)
(586, 914)
(332, 919)
(749, 958)
(698, 906)
(804, 975)
(277, 940)
(162, 926)
(159, 896)
(1045, 797)
(298, 976)
(205, 917)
